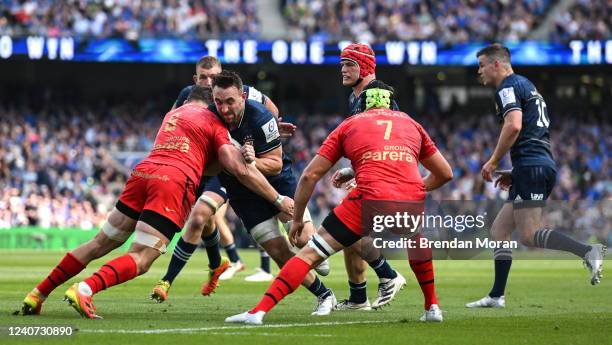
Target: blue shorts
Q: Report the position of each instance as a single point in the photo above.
(211, 184)
(531, 186)
(254, 209)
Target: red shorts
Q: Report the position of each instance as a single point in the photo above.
(350, 210)
(163, 189)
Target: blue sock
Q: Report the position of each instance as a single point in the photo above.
(180, 256)
(232, 252)
(213, 252)
(557, 240)
(503, 262)
(382, 268)
(318, 288)
(358, 292)
(265, 260)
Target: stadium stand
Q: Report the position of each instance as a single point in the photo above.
(448, 21)
(59, 165)
(129, 19)
(587, 19)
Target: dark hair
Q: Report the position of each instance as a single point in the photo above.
(377, 84)
(495, 51)
(227, 79)
(208, 62)
(200, 93)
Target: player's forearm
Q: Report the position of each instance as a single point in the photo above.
(440, 171)
(269, 166)
(315, 170)
(247, 174)
(302, 195)
(252, 178)
(433, 182)
(507, 138)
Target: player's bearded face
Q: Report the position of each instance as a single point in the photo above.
(230, 104)
(350, 72)
(204, 76)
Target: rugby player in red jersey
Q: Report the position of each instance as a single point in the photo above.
(357, 138)
(154, 204)
(358, 68)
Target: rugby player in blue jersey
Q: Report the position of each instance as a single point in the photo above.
(524, 116)
(254, 129)
(202, 223)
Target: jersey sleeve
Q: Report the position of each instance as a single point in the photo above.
(428, 147)
(255, 95)
(331, 148)
(266, 136)
(182, 97)
(507, 99)
(220, 134)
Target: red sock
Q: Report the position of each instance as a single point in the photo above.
(288, 279)
(422, 265)
(66, 269)
(112, 273)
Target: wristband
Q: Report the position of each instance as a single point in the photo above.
(279, 200)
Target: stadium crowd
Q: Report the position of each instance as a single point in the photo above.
(129, 19)
(59, 165)
(448, 21)
(587, 19)
(65, 166)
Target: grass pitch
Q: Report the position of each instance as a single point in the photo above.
(548, 302)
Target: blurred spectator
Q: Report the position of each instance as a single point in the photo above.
(587, 19)
(129, 19)
(447, 21)
(65, 166)
(371, 21)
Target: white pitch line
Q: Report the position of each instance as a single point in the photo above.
(271, 334)
(221, 328)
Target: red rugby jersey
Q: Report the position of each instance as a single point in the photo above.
(189, 138)
(384, 147)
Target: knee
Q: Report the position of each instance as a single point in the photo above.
(200, 222)
(526, 239)
(200, 217)
(301, 242)
(310, 256)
